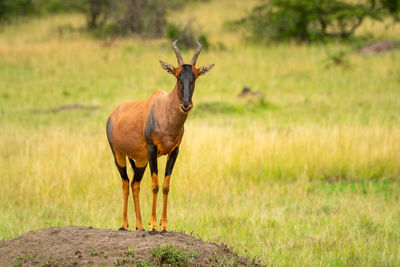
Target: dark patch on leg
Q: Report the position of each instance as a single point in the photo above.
(151, 125)
(166, 190)
(109, 130)
(152, 155)
(122, 171)
(155, 189)
(171, 161)
(138, 173)
(132, 162)
(122, 229)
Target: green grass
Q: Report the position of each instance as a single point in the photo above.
(167, 254)
(308, 175)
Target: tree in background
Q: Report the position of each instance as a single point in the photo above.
(144, 17)
(393, 7)
(11, 9)
(96, 12)
(120, 17)
(112, 18)
(186, 35)
(124, 17)
(314, 19)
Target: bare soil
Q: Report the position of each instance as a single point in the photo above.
(86, 246)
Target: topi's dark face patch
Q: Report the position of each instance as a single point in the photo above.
(186, 81)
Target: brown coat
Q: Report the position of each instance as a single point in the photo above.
(129, 121)
(147, 129)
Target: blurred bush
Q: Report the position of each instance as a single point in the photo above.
(393, 7)
(104, 17)
(96, 12)
(144, 17)
(124, 17)
(111, 18)
(186, 35)
(314, 19)
(10, 9)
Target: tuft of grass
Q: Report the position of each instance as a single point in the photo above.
(17, 261)
(130, 252)
(167, 254)
(52, 261)
(126, 257)
(223, 261)
(26, 257)
(144, 263)
(94, 252)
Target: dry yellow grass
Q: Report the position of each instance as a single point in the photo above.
(221, 189)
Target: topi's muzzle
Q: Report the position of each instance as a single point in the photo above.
(186, 109)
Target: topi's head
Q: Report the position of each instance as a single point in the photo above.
(186, 75)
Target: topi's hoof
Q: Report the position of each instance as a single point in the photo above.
(153, 232)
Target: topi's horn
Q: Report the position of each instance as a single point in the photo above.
(177, 53)
(196, 54)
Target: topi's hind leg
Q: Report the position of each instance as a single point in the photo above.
(138, 170)
(152, 155)
(120, 162)
(168, 170)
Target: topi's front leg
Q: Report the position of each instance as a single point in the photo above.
(125, 190)
(138, 170)
(168, 170)
(152, 153)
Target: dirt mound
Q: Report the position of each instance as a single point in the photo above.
(86, 246)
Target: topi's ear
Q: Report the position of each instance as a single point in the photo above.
(205, 69)
(167, 67)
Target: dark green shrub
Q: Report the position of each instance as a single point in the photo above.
(13, 8)
(125, 17)
(10, 9)
(96, 11)
(392, 6)
(313, 19)
(186, 36)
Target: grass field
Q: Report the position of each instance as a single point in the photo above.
(309, 175)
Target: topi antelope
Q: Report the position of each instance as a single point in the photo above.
(145, 130)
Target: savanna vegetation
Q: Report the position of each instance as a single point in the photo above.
(308, 174)
(315, 20)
